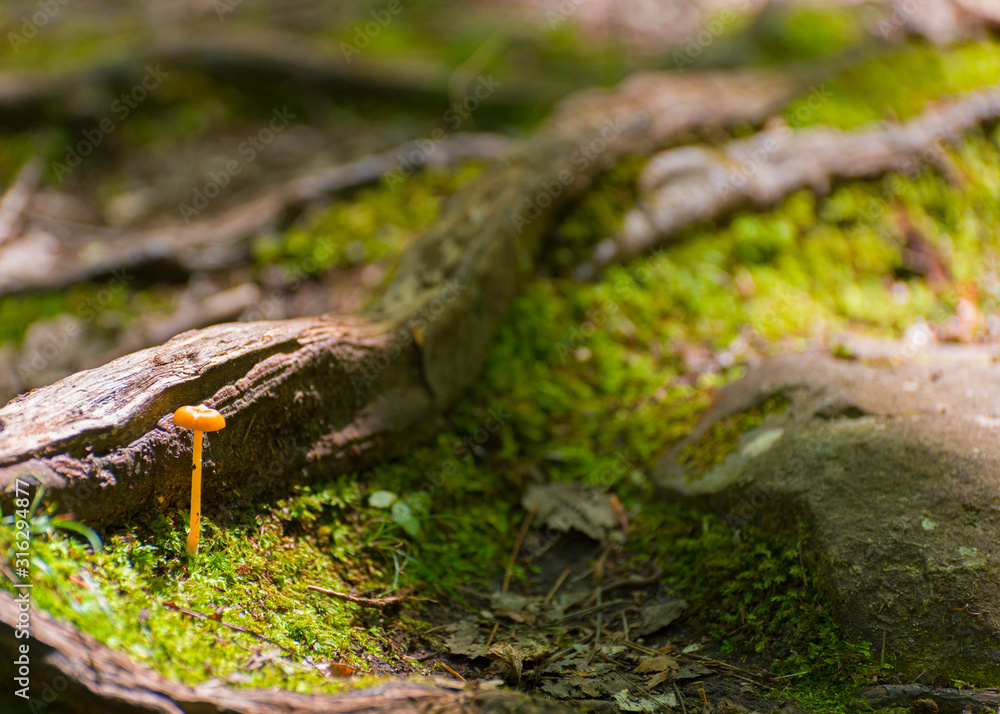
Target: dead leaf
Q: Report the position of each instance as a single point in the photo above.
(658, 614)
(657, 679)
(568, 506)
(661, 663)
(464, 634)
(628, 703)
(512, 660)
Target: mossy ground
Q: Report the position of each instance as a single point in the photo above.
(586, 382)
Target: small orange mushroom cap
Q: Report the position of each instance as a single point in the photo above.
(199, 418)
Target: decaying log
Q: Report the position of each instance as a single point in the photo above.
(697, 183)
(310, 397)
(47, 260)
(73, 673)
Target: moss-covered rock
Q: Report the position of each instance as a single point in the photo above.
(893, 470)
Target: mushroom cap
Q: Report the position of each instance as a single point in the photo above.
(199, 418)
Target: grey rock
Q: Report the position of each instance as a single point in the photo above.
(894, 469)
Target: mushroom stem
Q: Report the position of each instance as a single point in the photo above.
(195, 532)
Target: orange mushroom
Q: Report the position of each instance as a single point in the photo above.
(199, 419)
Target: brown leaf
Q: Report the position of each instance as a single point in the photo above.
(661, 663)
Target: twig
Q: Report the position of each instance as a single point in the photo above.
(591, 610)
(362, 601)
(632, 582)
(496, 626)
(597, 628)
(236, 628)
(452, 672)
(517, 546)
(680, 698)
(556, 585)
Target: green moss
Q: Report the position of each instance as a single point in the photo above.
(898, 84)
(59, 44)
(251, 573)
(376, 224)
(585, 381)
(598, 215)
(755, 598)
(87, 302)
(807, 32)
(723, 437)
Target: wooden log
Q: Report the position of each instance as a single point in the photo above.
(311, 397)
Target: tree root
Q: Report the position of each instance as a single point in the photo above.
(36, 261)
(682, 186)
(310, 397)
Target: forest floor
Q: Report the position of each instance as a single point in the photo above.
(597, 591)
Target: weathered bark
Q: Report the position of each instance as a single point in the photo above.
(697, 183)
(52, 255)
(72, 673)
(311, 397)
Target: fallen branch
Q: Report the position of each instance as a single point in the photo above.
(696, 183)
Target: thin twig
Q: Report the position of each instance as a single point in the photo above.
(680, 698)
(452, 672)
(591, 610)
(556, 585)
(236, 628)
(496, 626)
(597, 629)
(517, 546)
(362, 601)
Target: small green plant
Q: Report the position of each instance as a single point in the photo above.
(405, 512)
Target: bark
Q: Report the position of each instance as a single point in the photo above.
(53, 255)
(697, 183)
(88, 677)
(311, 397)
